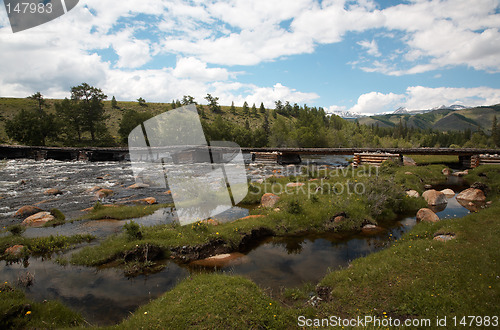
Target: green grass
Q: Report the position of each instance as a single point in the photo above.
(435, 159)
(210, 301)
(489, 175)
(42, 245)
(421, 277)
(18, 312)
(123, 212)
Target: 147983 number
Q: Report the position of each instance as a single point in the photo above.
(30, 7)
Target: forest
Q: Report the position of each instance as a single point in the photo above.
(87, 119)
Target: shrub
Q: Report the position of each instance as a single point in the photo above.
(133, 230)
(294, 207)
(16, 230)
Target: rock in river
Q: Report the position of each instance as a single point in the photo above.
(472, 194)
(38, 220)
(269, 200)
(427, 215)
(53, 192)
(434, 197)
(220, 260)
(103, 193)
(27, 211)
(138, 185)
(448, 192)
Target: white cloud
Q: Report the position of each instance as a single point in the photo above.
(192, 68)
(422, 98)
(371, 47)
(375, 102)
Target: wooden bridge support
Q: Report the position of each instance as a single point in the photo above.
(375, 159)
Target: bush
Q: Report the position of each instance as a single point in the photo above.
(16, 230)
(133, 230)
(294, 207)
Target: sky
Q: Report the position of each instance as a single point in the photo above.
(366, 56)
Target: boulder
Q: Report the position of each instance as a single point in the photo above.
(427, 215)
(53, 192)
(413, 193)
(446, 171)
(252, 217)
(269, 200)
(460, 173)
(38, 220)
(144, 201)
(371, 229)
(221, 260)
(444, 238)
(94, 188)
(434, 197)
(138, 185)
(211, 222)
(14, 251)
(407, 161)
(448, 192)
(295, 184)
(408, 173)
(27, 211)
(103, 193)
(472, 194)
(427, 186)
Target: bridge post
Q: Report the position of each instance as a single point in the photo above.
(465, 161)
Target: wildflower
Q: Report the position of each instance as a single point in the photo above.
(145, 313)
(28, 312)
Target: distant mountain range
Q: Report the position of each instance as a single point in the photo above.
(443, 118)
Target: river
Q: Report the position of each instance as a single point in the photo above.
(105, 296)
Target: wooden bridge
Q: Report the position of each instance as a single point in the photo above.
(468, 156)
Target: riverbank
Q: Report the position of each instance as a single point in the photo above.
(417, 277)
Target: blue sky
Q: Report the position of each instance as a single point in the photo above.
(361, 56)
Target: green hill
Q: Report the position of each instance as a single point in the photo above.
(9, 107)
(479, 118)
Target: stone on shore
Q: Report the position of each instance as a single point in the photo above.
(14, 251)
(27, 210)
(295, 184)
(434, 197)
(444, 238)
(413, 193)
(38, 220)
(269, 200)
(426, 215)
(472, 194)
(252, 217)
(407, 161)
(446, 171)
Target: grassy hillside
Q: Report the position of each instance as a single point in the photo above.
(9, 107)
(441, 120)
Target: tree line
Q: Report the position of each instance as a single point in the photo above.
(82, 120)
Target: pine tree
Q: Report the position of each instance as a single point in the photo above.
(262, 109)
(233, 108)
(114, 104)
(495, 132)
(245, 108)
(254, 110)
